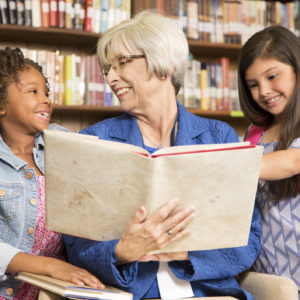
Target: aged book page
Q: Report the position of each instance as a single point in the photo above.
(94, 187)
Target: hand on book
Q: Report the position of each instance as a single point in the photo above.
(144, 235)
(64, 271)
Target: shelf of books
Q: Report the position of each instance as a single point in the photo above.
(62, 36)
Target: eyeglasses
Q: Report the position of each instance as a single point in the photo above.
(119, 63)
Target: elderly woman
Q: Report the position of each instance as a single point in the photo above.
(144, 60)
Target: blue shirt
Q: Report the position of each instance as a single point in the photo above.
(210, 272)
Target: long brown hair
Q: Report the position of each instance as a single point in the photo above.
(279, 43)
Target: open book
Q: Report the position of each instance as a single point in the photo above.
(94, 187)
(71, 290)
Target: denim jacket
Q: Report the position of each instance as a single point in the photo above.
(18, 207)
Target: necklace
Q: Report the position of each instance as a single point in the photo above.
(155, 145)
(172, 137)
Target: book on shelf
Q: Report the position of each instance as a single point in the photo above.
(71, 290)
(101, 184)
(20, 12)
(53, 13)
(12, 9)
(61, 13)
(27, 13)
(45, 13)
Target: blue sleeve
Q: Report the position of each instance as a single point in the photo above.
(99, 259)
(221, 263)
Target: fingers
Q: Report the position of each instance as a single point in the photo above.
(140, 216)
(164, 211)
(85, 278)
(179, 221)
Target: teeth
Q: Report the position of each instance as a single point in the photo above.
(274, 99)
(122, 91)
(43, 114)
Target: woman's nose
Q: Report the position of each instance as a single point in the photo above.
(112, 76)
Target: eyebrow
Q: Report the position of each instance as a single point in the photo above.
(265, 72)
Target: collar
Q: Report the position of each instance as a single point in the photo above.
(126, 129)
(10, 158)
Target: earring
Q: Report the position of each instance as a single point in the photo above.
(163, 77)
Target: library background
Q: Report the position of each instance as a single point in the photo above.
(62, 35)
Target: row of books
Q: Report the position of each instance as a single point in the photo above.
(77, 80)
(90, 15)
(226, 21)
(210, 85)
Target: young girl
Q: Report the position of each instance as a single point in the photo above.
(25, 244)
(269, 91)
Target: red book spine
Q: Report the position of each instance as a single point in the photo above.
(53, 15)
(45, 13)
(61, 13)
(88, 6)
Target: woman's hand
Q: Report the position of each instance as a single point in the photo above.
(145, 235)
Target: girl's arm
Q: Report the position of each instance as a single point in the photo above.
(53, 267)
(280, 164)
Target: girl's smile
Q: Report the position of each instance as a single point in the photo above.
(271, 84)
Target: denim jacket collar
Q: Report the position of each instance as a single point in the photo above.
(10, 158)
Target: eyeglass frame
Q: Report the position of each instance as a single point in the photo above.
(131, 56)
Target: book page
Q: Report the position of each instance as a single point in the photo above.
(94, 190)
(95, 140)
(221, 186)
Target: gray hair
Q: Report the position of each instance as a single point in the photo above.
(162, 42)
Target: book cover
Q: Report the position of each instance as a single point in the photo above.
(69, 14)
(68, 289)
(78, 6)
(89, 13)
(101, 184)
(68, 64)
(61, 13)
(20, 12)
(27, 13)
(12, 9)
(4, 12)
(45, 13)
(53, 13)
(104, 15)
(192, 20)
(36, 13)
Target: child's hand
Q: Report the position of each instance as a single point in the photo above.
(67, 272)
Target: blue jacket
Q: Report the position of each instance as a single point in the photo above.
(210, 273)
(18, 185)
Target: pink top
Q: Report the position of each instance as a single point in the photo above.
(46, 243)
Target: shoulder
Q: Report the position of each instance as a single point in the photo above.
(206, 130)
(103, 128)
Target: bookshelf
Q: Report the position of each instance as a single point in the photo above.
(77, 117)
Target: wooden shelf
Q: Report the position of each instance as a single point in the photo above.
(116, 110)
(50, 37)
(86, 41)
(214, 50)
